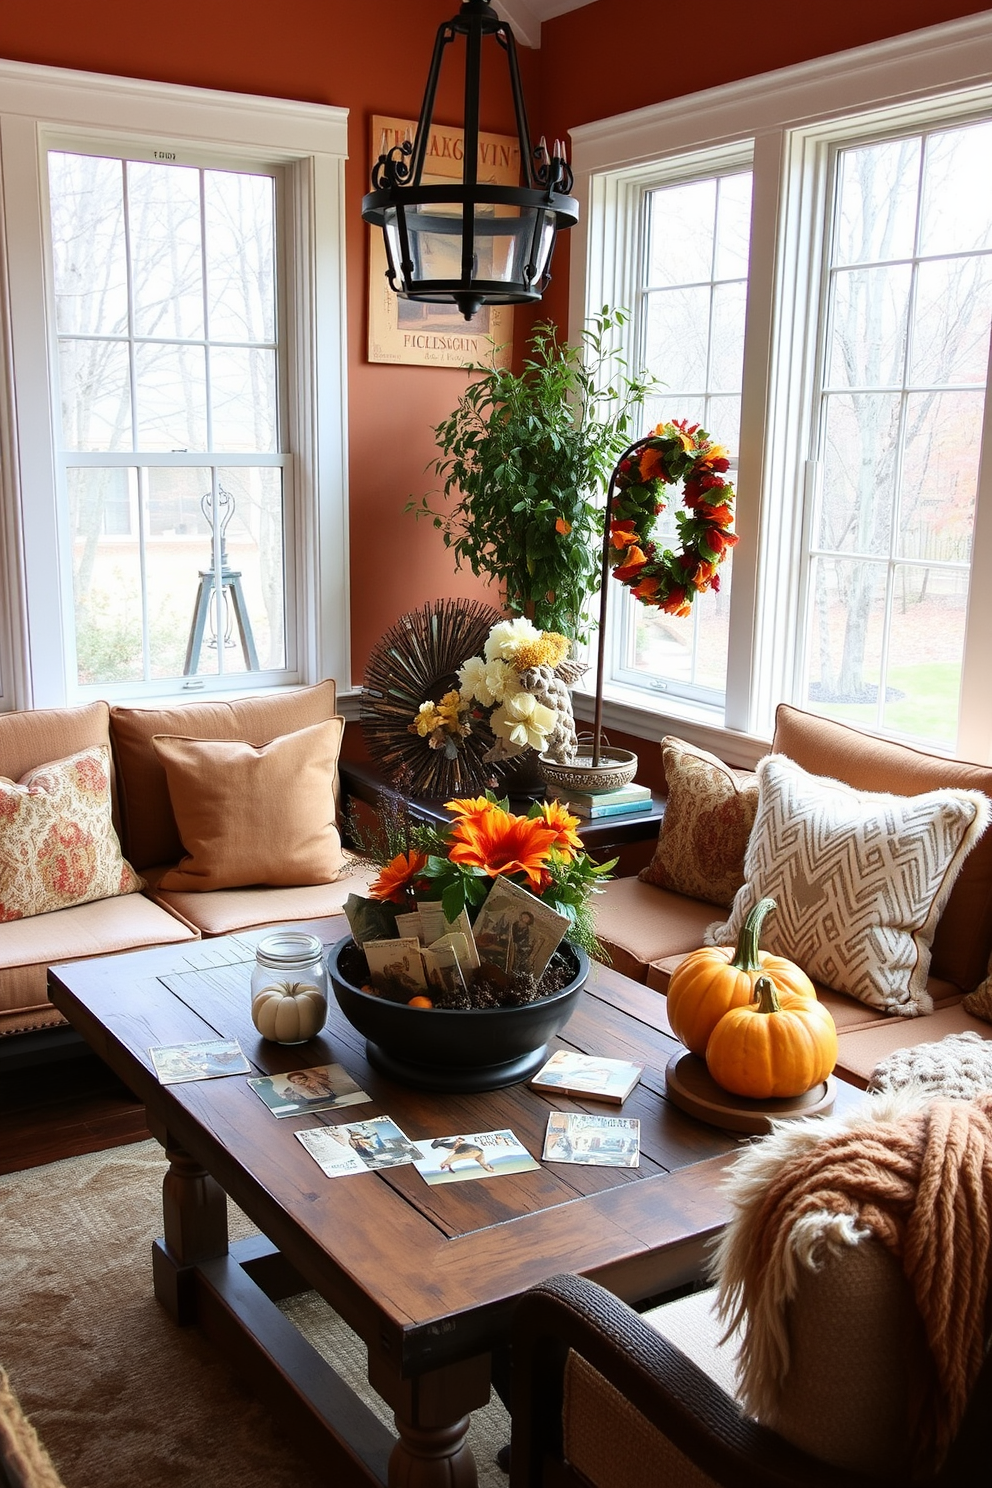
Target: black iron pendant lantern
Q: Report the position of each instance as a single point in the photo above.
(471, 244)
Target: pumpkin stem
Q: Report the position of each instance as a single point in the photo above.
(746, 953)
(765, 996)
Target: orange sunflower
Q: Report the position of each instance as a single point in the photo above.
(567, 839)
(500, 842)
(468, 805)
(397, 876)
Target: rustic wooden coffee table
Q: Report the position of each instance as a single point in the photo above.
(427, 1276)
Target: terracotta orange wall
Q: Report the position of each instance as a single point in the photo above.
(371, 57)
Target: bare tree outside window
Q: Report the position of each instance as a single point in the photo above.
(693, 302)
(904, 352)
(166, 316)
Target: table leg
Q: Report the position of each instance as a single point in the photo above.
(432, 1413)
(194, 1208)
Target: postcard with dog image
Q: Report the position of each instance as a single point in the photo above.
(477, 1155)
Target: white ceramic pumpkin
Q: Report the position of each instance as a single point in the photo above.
(289, 1012)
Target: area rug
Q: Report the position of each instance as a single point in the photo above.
(117, 1393)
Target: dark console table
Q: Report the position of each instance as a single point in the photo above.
(602, 838)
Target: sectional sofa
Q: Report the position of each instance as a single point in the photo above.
(145, 819)
(649, 929)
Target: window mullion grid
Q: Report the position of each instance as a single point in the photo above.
(215, 515)
(897, 475)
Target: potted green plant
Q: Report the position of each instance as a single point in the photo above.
(524, 456)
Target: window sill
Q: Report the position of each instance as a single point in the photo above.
(627, 710)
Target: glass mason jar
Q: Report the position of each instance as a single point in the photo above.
(289, 987)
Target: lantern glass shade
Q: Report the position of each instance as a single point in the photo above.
(506, 250)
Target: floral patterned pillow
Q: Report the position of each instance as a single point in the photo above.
(58, 846)
(704, 833)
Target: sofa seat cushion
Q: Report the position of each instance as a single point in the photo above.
(149, 831)
(105, 927)
(638, 924)
(962, 941)
(223, 911)
(859, 1050)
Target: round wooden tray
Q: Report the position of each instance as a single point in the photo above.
(691, 1087)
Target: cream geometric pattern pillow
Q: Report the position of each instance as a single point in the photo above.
(859, 880)
(58, 846)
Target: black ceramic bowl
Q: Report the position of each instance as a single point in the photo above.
(457, 1050)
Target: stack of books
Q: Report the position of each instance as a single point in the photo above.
(604, 803)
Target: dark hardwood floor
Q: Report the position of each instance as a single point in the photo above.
(53, 1110)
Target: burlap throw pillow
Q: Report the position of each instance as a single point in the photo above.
(859, 878)
(708, 818)
(250, 814)
(58, 846)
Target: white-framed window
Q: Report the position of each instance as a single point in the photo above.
(174, 491)
(862, 350)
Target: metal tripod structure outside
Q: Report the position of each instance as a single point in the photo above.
(231, 591)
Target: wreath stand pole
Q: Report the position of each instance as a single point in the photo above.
(604, 597)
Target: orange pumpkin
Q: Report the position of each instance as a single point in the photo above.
(768, 1049)
(711, 981)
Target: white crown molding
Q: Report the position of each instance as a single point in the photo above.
(526, 25)
(64, 96)
(525, 16)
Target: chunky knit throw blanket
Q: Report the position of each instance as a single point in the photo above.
(917, 1177)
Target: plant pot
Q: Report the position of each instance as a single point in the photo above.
(521, 775)
(616, 767)
(452, 1049)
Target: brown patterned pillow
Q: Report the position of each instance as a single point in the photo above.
(58, 846)
(708, 819)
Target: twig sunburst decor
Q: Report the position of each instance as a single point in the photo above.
(416, 660)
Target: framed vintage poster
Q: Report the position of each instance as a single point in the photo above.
(419, 335)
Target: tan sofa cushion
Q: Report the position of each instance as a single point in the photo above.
(637, 924)
(41, 734)
(226, 910)
(149, 831)
(962, 941)
(29, 947)
(250, 814)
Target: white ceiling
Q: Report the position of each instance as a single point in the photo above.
(525, 16)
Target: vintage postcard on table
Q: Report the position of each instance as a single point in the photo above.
(478, 1155)
(516, 932)
(584, 1074)
(595, 1141)
(207, 1060)
(396, 967)
(302, 1092)
(359, 1146)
